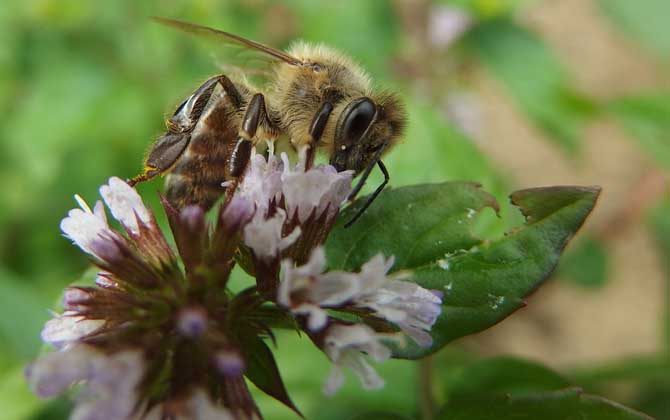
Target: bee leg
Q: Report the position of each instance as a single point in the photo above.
(197, 102)
(252, 118)
(316, 131)
(137, 179)
(374, 195)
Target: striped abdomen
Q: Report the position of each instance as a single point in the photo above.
(197, 175)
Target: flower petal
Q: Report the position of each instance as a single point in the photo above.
(125, 204)
(54, 372)
(346, 345)
(264, 236)
(67, 328)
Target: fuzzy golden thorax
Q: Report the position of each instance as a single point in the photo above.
(352, 137)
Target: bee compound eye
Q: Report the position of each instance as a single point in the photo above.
(358, 119)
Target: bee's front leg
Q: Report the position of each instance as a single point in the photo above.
(255, 113)
(316, 131)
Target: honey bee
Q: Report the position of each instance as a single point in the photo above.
(315, 98)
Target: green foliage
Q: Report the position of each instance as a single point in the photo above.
(557, 405)
(379, 415)
(647, 119)
(428, 229)
(262, 371)
(644, 20)
(586, 263)
(520, 60)
(511, 388)
(505, 375)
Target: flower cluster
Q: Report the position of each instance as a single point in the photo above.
(160, 335)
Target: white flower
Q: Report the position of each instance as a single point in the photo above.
(319, 189)
(264, 235)
(262, 181)
(125, 204)
(304, 192)
(411, 307)
(317, 289)
(408, 305)
(67, 328)
(346, 345)
(89, 230)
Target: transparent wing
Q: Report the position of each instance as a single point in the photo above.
(240, 52)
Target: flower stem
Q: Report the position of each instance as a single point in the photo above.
(425, 387)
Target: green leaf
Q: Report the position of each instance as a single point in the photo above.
(586, 263)
(644, 20)
(26, 312)
(427, 228)
(647, 119)
(505, 375)
(262, 371)
(557, 405)
(379, 415)
(18, 402)
(532, 75)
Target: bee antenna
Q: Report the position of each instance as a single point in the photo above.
(374, 195)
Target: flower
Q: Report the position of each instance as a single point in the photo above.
(317, 289)
(408, 305)
(160, 335)
(131, 338)
(111, 381)
(69, 327)
(314, 192)
(264, 235)
(346, 345)
(307, 290)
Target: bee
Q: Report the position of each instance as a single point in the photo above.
(315, 98)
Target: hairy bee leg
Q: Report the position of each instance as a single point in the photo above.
(316, 131)
(374, 195)
(252, 118)
(200, 98)
(148, 174)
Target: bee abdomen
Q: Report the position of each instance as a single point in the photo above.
(197, 179)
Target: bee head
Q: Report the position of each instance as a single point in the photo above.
(365, 130)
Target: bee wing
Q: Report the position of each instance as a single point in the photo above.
(264, 55)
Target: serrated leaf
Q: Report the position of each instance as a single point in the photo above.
(505, 375)
(534, 78)
(427, 228)
(557, 405)
(262, 371)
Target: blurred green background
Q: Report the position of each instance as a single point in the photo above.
(508, 93)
